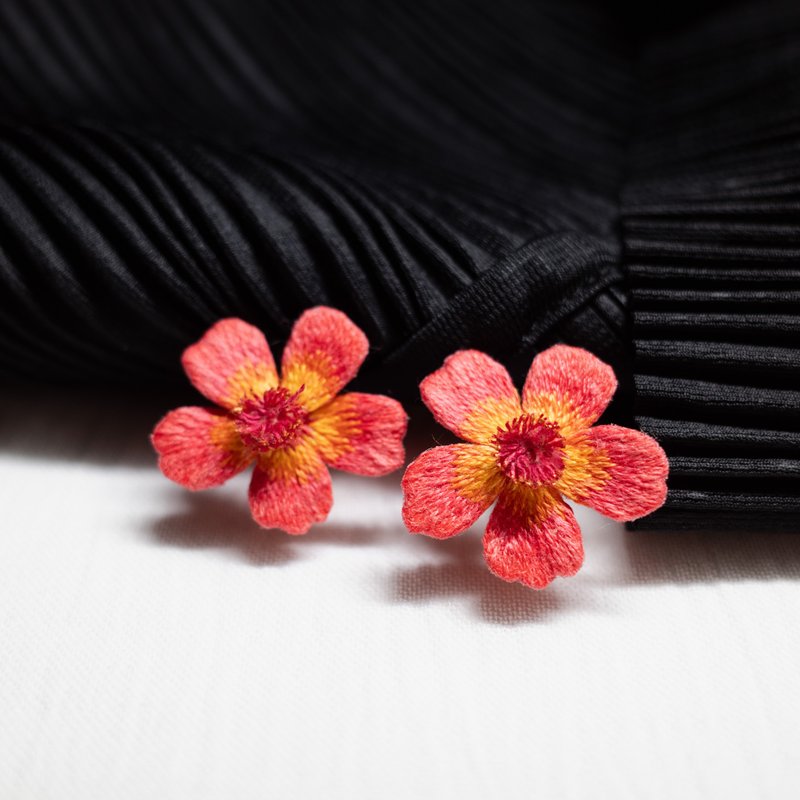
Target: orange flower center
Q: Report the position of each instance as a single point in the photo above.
(530, 450)
(272, 421)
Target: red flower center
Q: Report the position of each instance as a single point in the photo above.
(530, 450)
(274, 420)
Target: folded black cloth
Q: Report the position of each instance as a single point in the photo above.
(711, 238)
(450, 174)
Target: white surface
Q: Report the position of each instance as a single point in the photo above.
(156, 644)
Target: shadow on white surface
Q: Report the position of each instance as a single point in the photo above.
(112, 429)
(703, 557)
(214, 521)
(109, 428)
(454, 570)
(217, 522)
(461, 572)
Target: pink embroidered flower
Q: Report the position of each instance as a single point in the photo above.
(526, 454)
(292, 427)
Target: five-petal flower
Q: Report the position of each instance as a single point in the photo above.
(293, 427)
(525, 454)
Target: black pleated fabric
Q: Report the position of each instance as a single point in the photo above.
(422, 167)
(450, 173)
(711, 228)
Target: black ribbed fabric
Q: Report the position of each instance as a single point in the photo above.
(449, 173)
(423, 167)
(711, 223)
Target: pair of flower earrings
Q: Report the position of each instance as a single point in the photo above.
(525, 453)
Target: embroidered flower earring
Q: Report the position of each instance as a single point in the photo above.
(293, 427)
(527, 454)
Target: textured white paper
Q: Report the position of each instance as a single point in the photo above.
(157, 644)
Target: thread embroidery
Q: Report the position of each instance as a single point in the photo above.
(292, 428)
(526, 454)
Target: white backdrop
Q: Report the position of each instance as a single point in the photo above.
(157, 644)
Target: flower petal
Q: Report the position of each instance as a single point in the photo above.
(323, 354)
(618, 471)
(199, 447)
(569, 386)
(361, 433)
(447, 488)
(231, 362)
(532, 537)
(291, 489)
(472, 395)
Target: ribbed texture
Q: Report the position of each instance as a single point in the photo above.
(163, 164)
(711, 228)
(449, 174)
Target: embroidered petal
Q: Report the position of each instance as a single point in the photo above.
(291, 489)
(532, 537)
(617, 471)
(472, 395)
(323, 354)
(569, 386)
(231, 362)
(447, 488)
(199, 448)
(361, 433)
